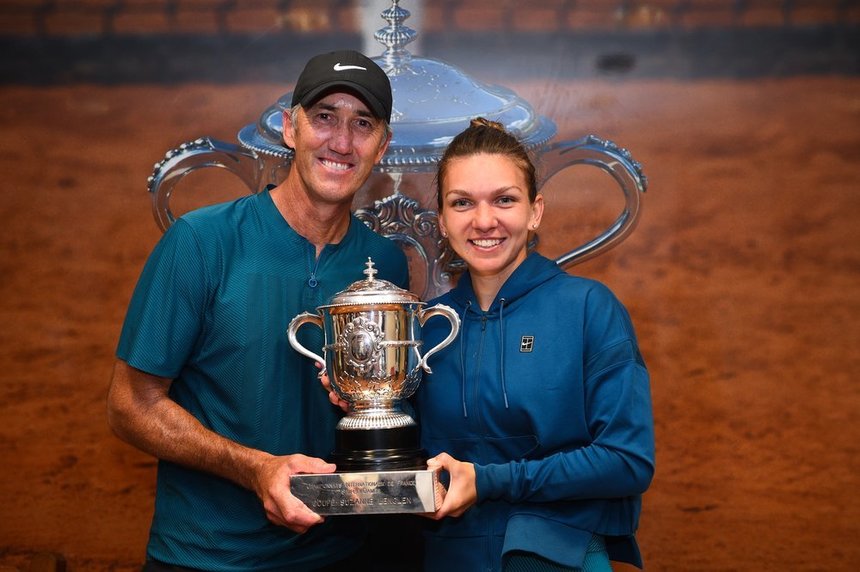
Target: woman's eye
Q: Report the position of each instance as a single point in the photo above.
(459, 203)
(505, 200)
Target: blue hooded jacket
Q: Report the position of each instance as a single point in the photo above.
(548, 395)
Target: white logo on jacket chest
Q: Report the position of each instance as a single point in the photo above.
(527, 344)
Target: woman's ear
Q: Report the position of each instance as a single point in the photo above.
(537, 211)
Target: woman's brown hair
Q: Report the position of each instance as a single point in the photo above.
(490, 137)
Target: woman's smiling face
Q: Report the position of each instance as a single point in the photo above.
(486, 213)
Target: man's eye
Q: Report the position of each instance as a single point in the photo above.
(364, 125)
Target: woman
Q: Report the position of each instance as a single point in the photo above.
(540, 414)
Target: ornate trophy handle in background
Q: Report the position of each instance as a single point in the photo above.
(188, 157)
(606, 155)
(401, 219)
(295, 324)
(438, 310)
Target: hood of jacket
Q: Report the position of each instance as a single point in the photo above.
(531, 273)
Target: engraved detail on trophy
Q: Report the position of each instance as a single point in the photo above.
(366, 493)
(401, 219)
(361, 343)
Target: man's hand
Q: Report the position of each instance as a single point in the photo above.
(273, 488)
(462, 492)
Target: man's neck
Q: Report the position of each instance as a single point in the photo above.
(320, 223)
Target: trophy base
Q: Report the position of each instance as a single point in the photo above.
(358, 450)
(371, 492)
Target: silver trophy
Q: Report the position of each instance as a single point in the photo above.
(373, 360)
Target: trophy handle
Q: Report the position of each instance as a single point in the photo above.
(295, 324)
(438, 310)
(189, 157)
(606, 155)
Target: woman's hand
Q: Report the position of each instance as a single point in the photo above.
(462, 492)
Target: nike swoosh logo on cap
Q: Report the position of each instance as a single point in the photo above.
(340, 67)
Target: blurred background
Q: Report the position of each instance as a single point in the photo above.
(166, 41)
(742, 276)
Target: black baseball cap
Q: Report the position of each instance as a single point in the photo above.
(349, 69)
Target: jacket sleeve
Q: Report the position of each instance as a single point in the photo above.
(619, 460)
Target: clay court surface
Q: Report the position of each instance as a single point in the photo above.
(743, 280)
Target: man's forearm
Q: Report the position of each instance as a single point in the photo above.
(141, 413)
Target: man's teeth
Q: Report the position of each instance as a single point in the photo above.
(487, 242)
(334, 165)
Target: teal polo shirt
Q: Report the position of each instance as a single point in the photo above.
(211, 311)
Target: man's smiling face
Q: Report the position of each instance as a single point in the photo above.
(337, 141)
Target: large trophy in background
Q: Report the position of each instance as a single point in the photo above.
(433, 102)
(372, 358)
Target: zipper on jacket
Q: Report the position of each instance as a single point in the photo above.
(479, 358)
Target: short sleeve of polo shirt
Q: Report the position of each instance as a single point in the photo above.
(165, 315)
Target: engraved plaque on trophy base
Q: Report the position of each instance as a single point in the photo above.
(369, 492)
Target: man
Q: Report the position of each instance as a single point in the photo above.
(205, 379)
